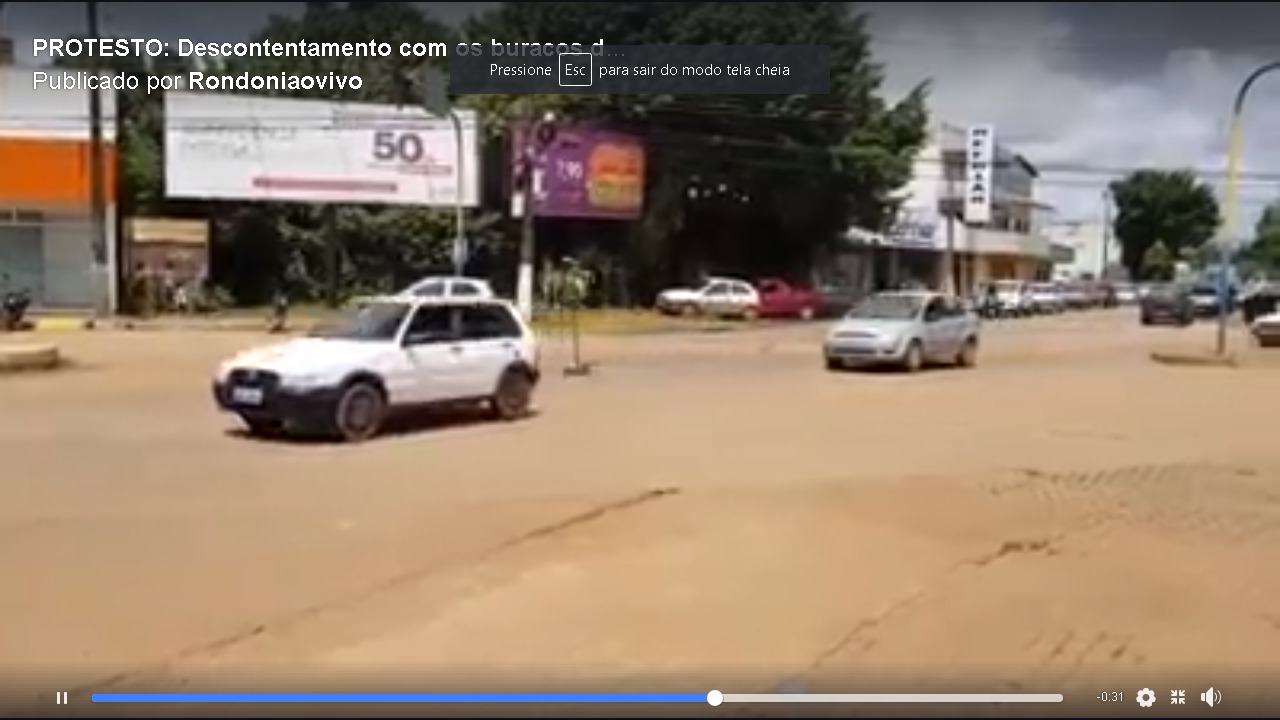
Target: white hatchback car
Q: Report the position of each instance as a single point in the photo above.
(908, 329)
(392, 353)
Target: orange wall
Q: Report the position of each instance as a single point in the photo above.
(38, 173)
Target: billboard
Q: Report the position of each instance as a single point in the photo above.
(980, 156)
(244, 147)
(587, 173)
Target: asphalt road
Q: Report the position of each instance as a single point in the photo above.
(700, 508)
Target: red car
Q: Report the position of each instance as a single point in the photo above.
(779, 299)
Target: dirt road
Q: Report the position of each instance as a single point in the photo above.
(710, 509)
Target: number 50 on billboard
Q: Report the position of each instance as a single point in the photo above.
(244, 147)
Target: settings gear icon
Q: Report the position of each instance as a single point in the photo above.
(1146, 698)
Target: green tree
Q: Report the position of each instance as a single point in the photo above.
(797, 170)
(1171, 208)
(1262, 256)
(1157, 263)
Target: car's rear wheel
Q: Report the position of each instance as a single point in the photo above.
(263, 427)
(360, 411)
(688, 310)
(750, 314)
(913, 360)
(968, 356)
(513, 396)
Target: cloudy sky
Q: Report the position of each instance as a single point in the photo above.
(1080, 88)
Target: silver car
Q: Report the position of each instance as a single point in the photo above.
(906, 329)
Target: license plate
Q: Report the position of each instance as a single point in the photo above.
(246, 396)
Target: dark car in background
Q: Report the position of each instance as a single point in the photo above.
(1167, 305)
(1261, 299)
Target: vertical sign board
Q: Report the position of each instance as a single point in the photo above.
(587, 173)
(244, 147)
(980, 155)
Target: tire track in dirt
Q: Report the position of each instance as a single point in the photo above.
(312, 612)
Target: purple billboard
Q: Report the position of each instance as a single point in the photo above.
(587, 173)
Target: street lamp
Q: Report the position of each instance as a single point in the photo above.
(1234, 146)
(433, 86)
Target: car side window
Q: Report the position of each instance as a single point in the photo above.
(934, 310)
(718, 289)
(488, 322)
(430, 324)
(430, 289)
(742, 289)
(464, 289)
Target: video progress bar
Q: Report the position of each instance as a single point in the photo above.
(715, 697)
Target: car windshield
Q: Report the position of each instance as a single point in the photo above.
(1204, 291)
(887, 307)
(373, 321)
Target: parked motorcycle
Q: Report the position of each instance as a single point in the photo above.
(13, 311)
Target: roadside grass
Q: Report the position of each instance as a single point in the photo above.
(603, 321)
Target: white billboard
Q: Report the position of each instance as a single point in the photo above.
(244, 147)
(980, 155)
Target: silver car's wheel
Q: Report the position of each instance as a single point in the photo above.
(913, 360)
(968, 356)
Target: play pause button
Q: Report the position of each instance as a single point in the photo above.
(62, 698)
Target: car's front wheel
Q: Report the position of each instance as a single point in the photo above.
(913, 360)
(513, 396)
(834, 364)
(968, 356)
(360, 411)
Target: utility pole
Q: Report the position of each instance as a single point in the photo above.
(97, 180)
(1106, 233)
(538, 136)
(949, 284)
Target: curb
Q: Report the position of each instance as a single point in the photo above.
(1194, 360)
(28, 358)
(62, 324)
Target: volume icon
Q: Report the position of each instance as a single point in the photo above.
(1211, 697)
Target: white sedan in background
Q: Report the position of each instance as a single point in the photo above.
(1047, 298)
(718, 297)
(448, 286)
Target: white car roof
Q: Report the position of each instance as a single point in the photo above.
(449, 280)
(421, 300)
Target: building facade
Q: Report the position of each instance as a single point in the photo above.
(1008, 241)
(46, 239)
(1095, 254)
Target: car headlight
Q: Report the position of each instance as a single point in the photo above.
(307, 381)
